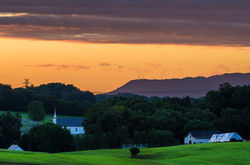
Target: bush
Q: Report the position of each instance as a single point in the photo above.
(134, 152)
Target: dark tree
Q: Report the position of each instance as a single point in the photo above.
(9, 129)
(198, 125)
(134, 151)
(157, 138)
(48, 138)
(36, 110)
(231, 120)
(6, 94)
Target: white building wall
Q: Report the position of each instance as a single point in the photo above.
(202, 140)
(18, 149)
(193, 140)
(189, 139)
(76, 130)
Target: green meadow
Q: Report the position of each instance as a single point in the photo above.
(196, 154)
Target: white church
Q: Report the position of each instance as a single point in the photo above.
(74, 125)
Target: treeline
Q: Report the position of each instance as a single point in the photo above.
(117, 121)
(68, 99)
(138, 120)
(47, 137)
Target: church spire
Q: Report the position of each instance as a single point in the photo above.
(54, 118)
(55, 113)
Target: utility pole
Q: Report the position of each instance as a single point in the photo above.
(26, 83)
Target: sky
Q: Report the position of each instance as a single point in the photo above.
(100, 45)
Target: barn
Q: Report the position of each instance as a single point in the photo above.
(202, 136)
(225, 137)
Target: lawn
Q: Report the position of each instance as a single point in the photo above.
(196, 154)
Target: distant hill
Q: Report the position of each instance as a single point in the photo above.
(194, 87)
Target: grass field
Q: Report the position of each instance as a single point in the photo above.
(196, 154)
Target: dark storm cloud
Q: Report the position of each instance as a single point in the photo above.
(199, 22)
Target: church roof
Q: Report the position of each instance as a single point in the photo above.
(206, 134)
(69, 122)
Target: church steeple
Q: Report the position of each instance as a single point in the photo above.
(54, 118)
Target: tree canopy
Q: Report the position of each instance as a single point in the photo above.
(36, 111)
(68, 99)
(9, 129)
(48, 138)
(166, 121)
(136, 120)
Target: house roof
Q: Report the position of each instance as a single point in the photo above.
(204, 134)
(13, 147)
(70, 122)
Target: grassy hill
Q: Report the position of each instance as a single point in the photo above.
(197, 154)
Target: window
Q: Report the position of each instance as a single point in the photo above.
(76, 129)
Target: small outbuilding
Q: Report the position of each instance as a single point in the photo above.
(199, 136)
(225, 137)
(15, 148)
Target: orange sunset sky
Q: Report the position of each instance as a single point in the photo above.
(99, 46)
(105, 67)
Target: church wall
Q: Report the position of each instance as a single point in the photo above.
(76, 130)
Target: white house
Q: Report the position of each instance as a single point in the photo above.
(74, 125)
(15, 148)
(225, 137)
(199, 136)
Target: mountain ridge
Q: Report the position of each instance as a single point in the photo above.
(180, 87)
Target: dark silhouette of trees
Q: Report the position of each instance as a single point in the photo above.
(48, 138)
(36, 111)
(162, 122)
(68, 99)
(135, 119)
(9, 129)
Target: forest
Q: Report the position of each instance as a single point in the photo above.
(166, 121)
(112, 122)
(68, 99)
